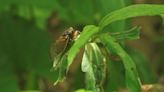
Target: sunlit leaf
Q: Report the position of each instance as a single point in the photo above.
(131, 11)
(85, 66)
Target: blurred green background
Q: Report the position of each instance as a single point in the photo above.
(28, 28)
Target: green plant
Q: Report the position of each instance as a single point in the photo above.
(99, 43)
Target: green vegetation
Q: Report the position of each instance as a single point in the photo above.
(24, 51)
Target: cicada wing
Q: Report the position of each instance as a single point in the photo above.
(57, 50)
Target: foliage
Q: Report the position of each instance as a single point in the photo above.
(25, 46)
(89, 33)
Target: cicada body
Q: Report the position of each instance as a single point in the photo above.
(62, 45)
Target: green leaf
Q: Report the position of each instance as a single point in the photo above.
(131, 11)
(85, 65)
(88, 69)
(98, 57)
(145, 71)
(132, 79)
(99, 64)
(94, 67)
(131, 34)
(87, 33)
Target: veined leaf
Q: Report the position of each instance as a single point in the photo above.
(99, 62)
(132, 79)
(131, 11)
(94, 67)
(87, 33)
(87, 67)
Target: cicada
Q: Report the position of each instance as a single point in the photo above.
(63, 44)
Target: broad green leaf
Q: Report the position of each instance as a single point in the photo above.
(115, 77)
(115, 71)
(131, 11)
(99, 64)
(89, 73)
(85, 66)
(87, 33)
(132, 79)
(94, 67)
(97, 54)
(131, 34)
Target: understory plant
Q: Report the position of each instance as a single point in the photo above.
(99, 44)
